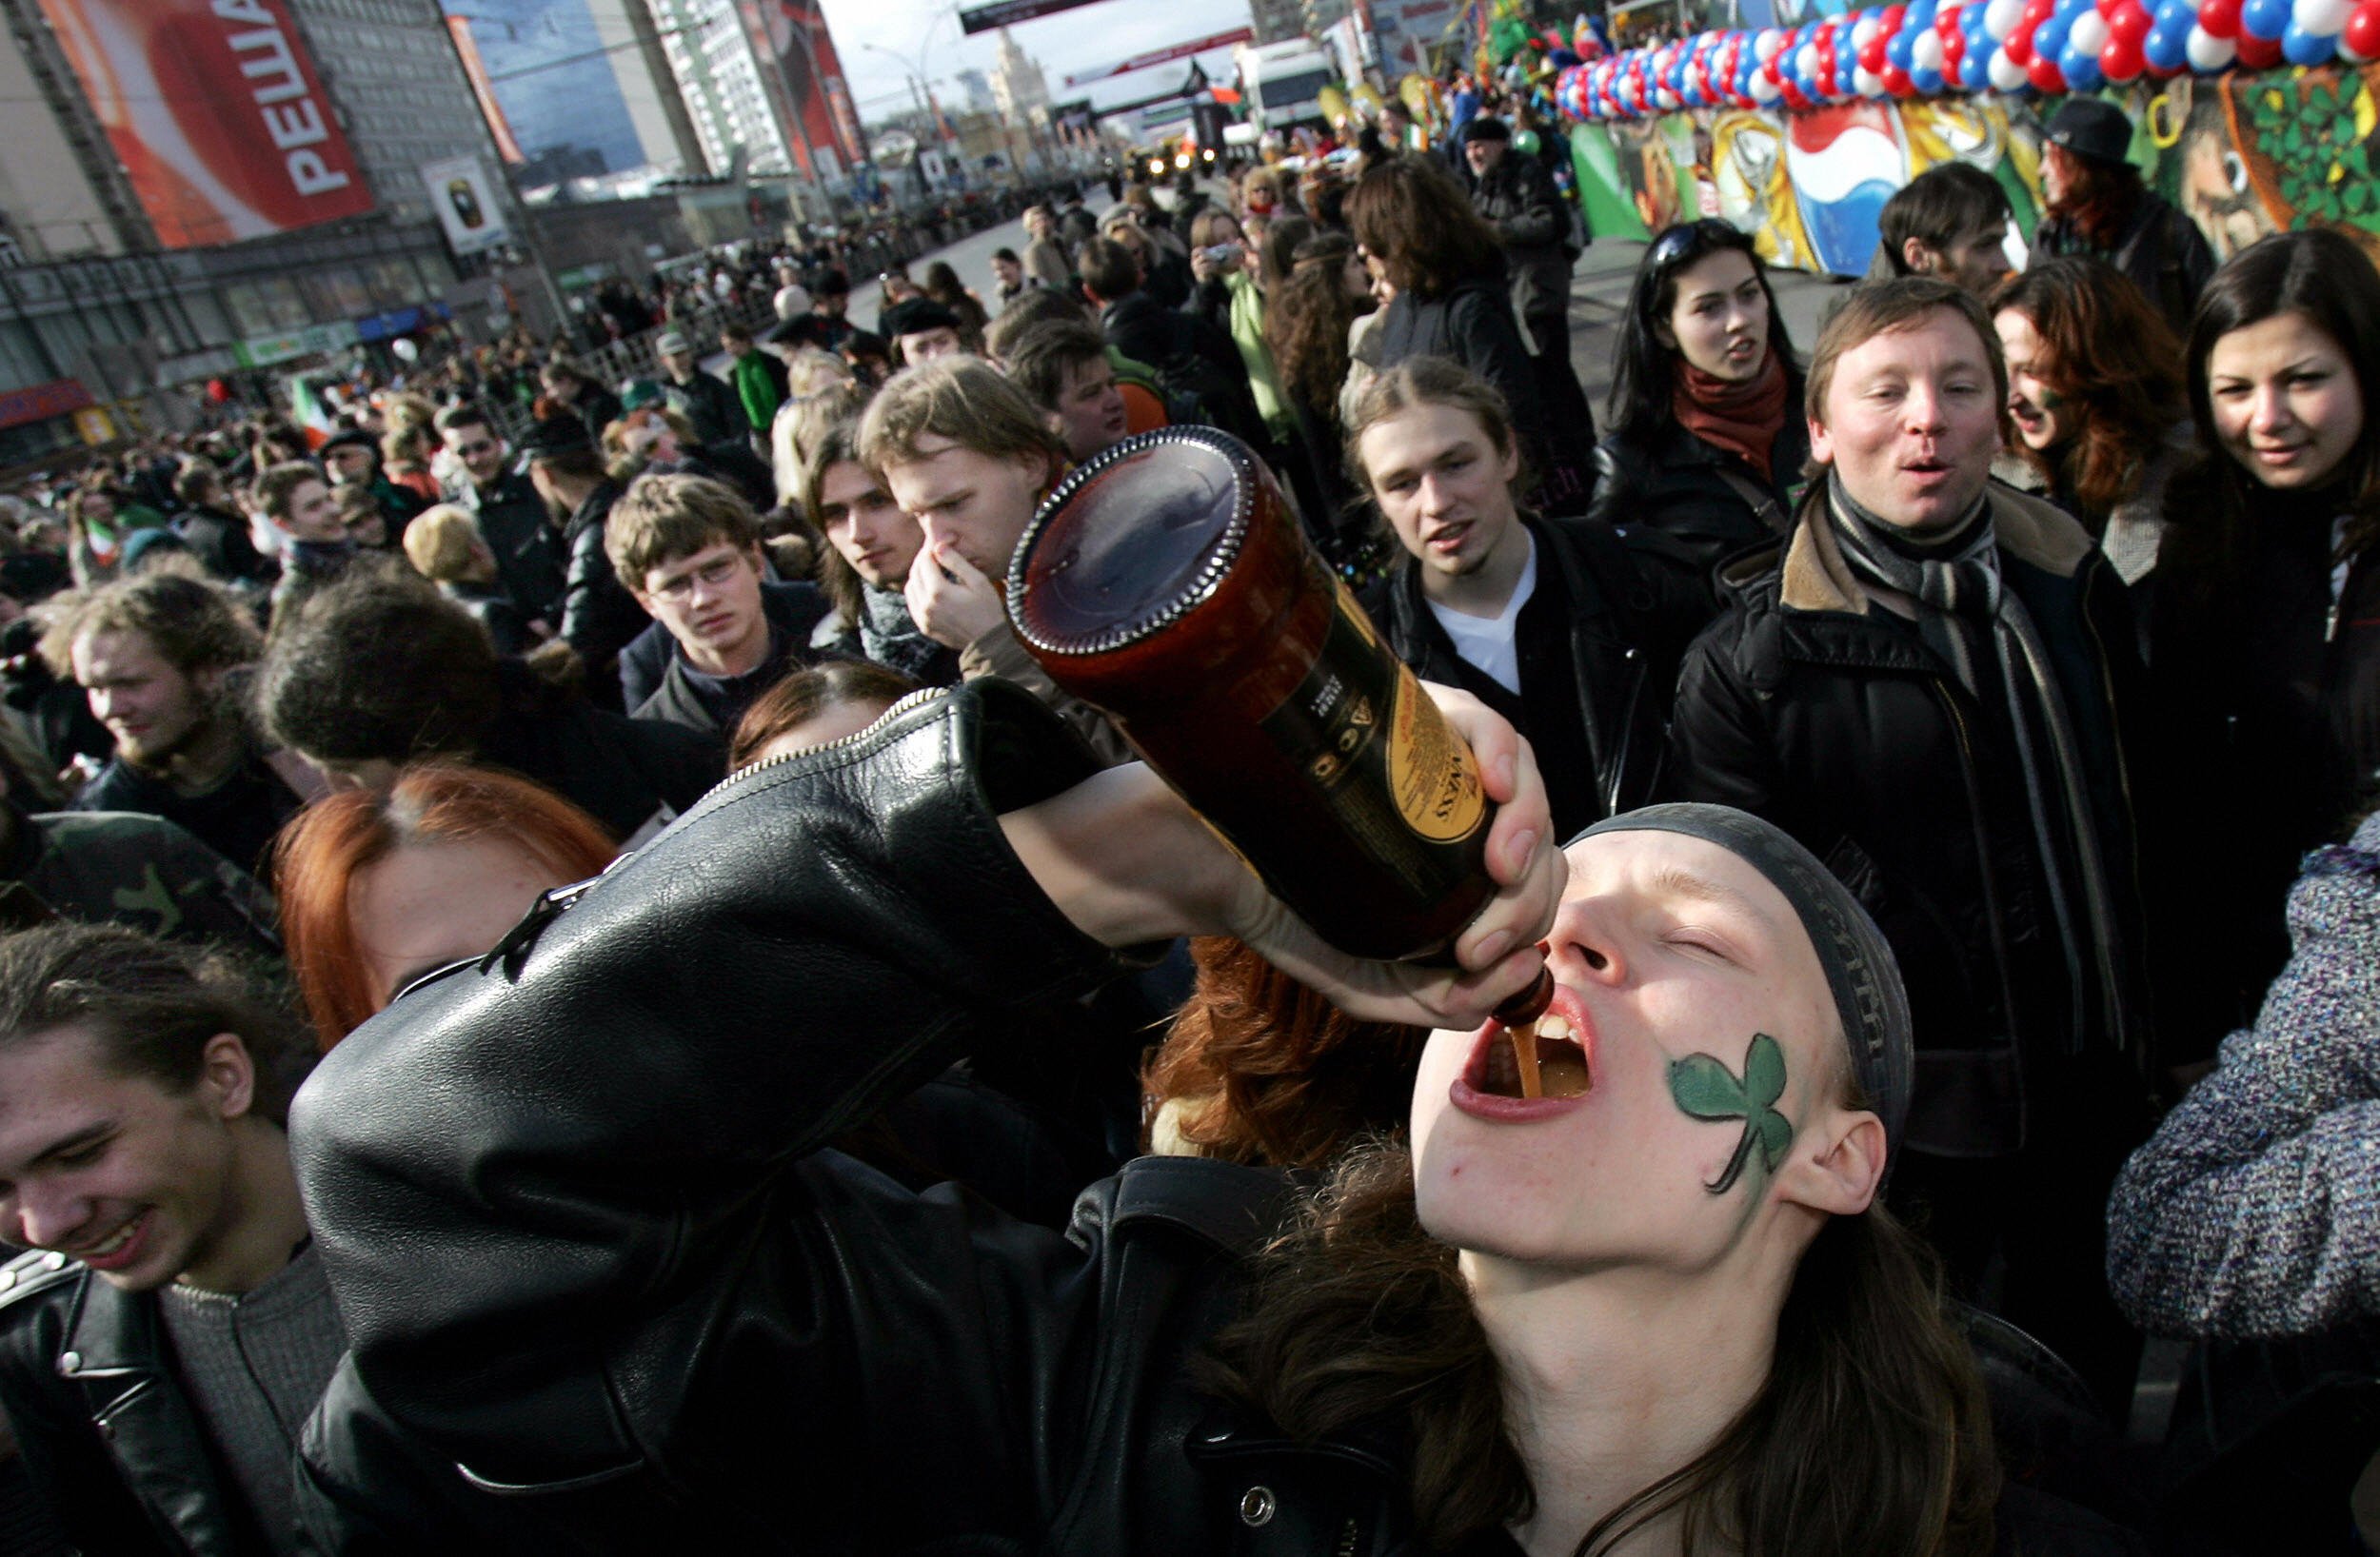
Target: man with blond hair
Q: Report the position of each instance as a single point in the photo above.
(969, 457)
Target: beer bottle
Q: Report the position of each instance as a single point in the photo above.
(1166, 583)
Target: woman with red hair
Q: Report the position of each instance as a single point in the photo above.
(378, 889)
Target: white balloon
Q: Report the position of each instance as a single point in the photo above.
(406, 350)
(1925, 52)
(2001, 16)
(1806, 59)
(2323, 18)
(1764, 47)
(2207, 51)
(1763, 89)
(1668, 100)
(2088, 34)
(1866, 83)
(1863, 30)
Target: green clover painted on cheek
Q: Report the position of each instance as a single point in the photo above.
(1704, 1088)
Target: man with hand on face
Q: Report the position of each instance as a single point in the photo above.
(158, 656)
(1929, 690)
(690, 551)
(170, 1330)
(969, 458)
(530, 561)
(1557, 624)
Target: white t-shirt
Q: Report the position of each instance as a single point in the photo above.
(1491, 644)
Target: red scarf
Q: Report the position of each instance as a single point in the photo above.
(1743, 419)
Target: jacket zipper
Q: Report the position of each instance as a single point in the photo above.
(920, 696)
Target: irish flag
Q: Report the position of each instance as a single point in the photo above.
(312, 415)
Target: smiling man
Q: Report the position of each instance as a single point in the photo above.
(690, 551)
(1557, 624)
(1928, 689)
(172, 1328)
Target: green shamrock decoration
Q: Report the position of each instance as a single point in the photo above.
(1704, 1088)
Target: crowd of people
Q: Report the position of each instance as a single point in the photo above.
(589, 991)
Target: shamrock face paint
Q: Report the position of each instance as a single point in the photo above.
(1704, 1088)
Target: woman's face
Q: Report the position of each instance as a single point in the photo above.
(2286, 403)
(2043, 418)
(1354, 278)
(2057, 173)
(1712, 1053)
(1720, 320)
(427, 904)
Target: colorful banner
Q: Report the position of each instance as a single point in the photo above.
(1161, 57)
(475, 72)
(315, 340)
(40, 402)
(2242, 155)
(1008, 12)
(215, 112)
(803, 77)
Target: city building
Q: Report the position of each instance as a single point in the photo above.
(977, 90)
(311, 231)
(718, 78)
(573, 77)
(1018, 89)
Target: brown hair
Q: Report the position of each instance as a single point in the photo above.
(1431, 381)
(1878, 308)
(1268, 1073)
(2100, 196)
(2113, 358)
(327, 846)
(192, 623)
(809, 692)
(1034, 307)
(1306, 316)
(1872, 1436)
(963, 398)
(276, 487)
(662, 519)
(1039, 361)
(1410, 213)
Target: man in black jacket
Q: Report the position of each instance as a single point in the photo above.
(690, 552)
(530, 561)
(1930, 690)
(216, 532)
(1552, 624)
(707, 401)
(172, 1328)
(1190, 354)
(1516, 196)
(598, 616)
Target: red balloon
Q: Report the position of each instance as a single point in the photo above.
(1896, 81)
(2258, 53)
(2019, 45)
(2219, 17)
(1946, 21)
(2045, 76)
(1953, 50)
(2130, 21)
(2122, 59)
(2363, 30)
(1795, 97)
(1872, 58)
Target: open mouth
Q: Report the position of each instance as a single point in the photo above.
(1449, 538)
(119, 1248)
(1551, 1063)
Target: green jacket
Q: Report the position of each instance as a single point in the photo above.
(760, 390)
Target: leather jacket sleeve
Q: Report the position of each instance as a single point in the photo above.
(568, 1196)
(1722, 749)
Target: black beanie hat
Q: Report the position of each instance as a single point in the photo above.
(1858, 962)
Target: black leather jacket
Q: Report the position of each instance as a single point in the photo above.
(1633, 605)
(587, 1248)
(1680, 486)
(598, 616)
(1812, 704)
(109, 1440)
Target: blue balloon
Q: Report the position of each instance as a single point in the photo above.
(1974, 69)
(1897, 50)
(2068, 10)
(1919, 16)
(2303, 47)
(2175, 16)
(2166, 49)
(2267, 19)
(1928, 83)
(2081, 69)
(2048, 39)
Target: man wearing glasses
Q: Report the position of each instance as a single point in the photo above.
(690, 551)
(529, 559)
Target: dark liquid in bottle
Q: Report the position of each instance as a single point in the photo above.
(1167, 583)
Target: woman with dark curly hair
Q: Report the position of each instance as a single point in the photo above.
(2095, 395)
(2265, 629)
(1319, 290)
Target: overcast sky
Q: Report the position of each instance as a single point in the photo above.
(1089, 37)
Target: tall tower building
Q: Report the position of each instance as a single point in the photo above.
(1018, 89)
(977, 91)
(719, 76)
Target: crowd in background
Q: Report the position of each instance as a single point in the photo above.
(1999, 673)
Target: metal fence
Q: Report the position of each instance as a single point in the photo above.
(631, 357)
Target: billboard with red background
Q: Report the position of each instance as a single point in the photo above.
(816, 103)
(216, 113)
